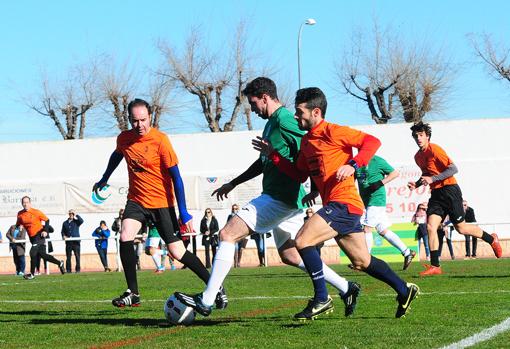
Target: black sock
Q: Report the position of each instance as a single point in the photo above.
(382, 271)
(196, 266)
(128, 259)
(487, 238)
(434, 258)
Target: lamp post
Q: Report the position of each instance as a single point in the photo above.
(309, 21)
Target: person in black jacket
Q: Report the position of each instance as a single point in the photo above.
(71, 229)
(470, 218)
(209, 229)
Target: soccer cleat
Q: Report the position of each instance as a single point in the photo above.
(28, 277)
(350, 298)
(61, 267)
(404, 302)
(314, 309)
(431, 270)
(408, 259)
(195, 302)
(496, 246)
(221, 300)
(159, 271)
(127, 299)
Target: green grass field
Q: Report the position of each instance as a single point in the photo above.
(74, 311)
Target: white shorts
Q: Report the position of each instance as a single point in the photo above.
(264, 213)
(152, 242)
(376, 217)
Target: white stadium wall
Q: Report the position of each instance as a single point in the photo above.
(59, 175)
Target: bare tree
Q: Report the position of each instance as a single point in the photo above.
(119, 84)
(394, 79)
(116, 83)
(494, 55)
(207, 75)
(67, 102)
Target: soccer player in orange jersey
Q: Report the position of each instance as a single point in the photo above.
(446, 197)
(153, 177)
(31, 219)
(326, 156)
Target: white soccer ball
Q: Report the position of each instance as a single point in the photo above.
(178, 313)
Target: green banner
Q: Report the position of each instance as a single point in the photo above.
(384, 250)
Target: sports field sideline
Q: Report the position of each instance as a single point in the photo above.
(466, 306)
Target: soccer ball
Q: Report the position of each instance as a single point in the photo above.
(178, 313)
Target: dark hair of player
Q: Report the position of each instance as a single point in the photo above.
(421, 127)
(259, 86)
(313, 97)
(137, 102)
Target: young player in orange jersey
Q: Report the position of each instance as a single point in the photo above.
(31, 219)
(326, 156)
(446, 197)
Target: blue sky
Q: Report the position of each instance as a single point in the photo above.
(53, 35)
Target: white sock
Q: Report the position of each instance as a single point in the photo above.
(332, 278)
(220, 268)
(369, 238)
(156, 257)
(395, 241)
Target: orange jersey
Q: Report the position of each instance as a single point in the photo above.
(432, 161)
(148, 159)
(326, 148)
(31, 220)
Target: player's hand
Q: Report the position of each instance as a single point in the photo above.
(99, 185)
(44, 234)
(426, 180)
(222, 192)
(309, 199)
(411, 185)
(374, 186)
(189, 226)
(344, 172)
(262, 145)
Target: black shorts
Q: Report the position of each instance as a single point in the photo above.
(338, 217)
(164, 219)
(447, 201)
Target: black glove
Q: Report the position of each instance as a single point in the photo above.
(374, 186)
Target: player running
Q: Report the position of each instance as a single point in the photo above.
(371, 181)
(446, 197)
(279, 208)
(326, 157)
(31, 219)
(153, 177)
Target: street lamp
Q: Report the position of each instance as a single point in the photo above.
(309, 21)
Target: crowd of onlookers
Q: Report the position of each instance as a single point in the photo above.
(148, 240)
(444, 231)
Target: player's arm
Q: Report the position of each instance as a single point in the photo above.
(184, 216)
(114, 161)
(391, 176)
(447, 173)
(366, 150)
(253, 171)
(285, 165)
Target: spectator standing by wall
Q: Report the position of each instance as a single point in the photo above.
(209, 228)
(470, 218)
(102, 233)
(420, 219)
(18, 249)
(71, 229)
